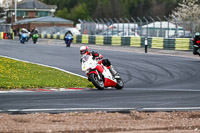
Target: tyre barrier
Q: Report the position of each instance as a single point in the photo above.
(154, 42)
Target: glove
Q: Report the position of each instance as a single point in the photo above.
(95, 54)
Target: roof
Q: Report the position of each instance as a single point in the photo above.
(164, 25)
(2, 21)
(48, 19)
(33, 4)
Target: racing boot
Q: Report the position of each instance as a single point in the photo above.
(113, 72)
(198, 52)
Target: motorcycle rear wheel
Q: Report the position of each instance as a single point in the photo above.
(120, 84)
(99, 84)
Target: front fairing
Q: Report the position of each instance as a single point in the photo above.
(68, 37)
(35, 36)
(88, 63)
(24, 35)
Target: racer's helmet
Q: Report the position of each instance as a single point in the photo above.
(23, 30)
(197, 35)
(36, 31)
(84, 50)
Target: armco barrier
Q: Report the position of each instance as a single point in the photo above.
(1, 35)
(61, 37)
(169, 44)
(99, 40)
(125, 41)
(182, 44)
(79, 39)
(74, 40)
(136, 41)
(116, 40)
(91, 39)
(107, 40)
(85, 39)
(55, 36)
(155, 42)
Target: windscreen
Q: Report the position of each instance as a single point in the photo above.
(85, 58)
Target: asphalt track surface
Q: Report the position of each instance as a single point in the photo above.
(152, 82)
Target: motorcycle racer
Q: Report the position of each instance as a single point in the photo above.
(84, 50)
(68, 33)
(196, 42)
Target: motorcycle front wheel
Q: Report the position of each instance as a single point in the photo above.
(22, 41)
(98, 83)
(68, 44)
(34, 40)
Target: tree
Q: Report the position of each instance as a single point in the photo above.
(115, 8)
(110, 9)
(79, 12)
(188, 12)
(62, 13)
(1, 12)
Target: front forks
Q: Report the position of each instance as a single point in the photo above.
(98, 75)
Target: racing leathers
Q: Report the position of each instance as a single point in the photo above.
(196, 43)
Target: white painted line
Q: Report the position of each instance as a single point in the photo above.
(64, 109)
(180, 108)
(171, 89)
(14, 91)
(94, 109)
(45, 66)
(25, 91)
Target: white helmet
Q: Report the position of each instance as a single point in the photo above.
(84, 50)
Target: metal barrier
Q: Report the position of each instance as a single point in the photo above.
(152, 42)
(144, 27)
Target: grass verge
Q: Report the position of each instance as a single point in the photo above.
(17, 74)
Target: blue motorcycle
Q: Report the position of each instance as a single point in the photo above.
(24, 37)
(68, 40)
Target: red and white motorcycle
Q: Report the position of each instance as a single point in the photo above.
(99, 74)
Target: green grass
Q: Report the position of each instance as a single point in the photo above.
(17, 74)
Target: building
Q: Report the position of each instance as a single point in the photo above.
(5, 3)
(33, 14)
(27, 9)
(42, 23)
(162, 29)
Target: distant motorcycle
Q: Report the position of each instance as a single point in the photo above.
(99, 74)
(68, 40)
(24, 38)
(35, 38)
